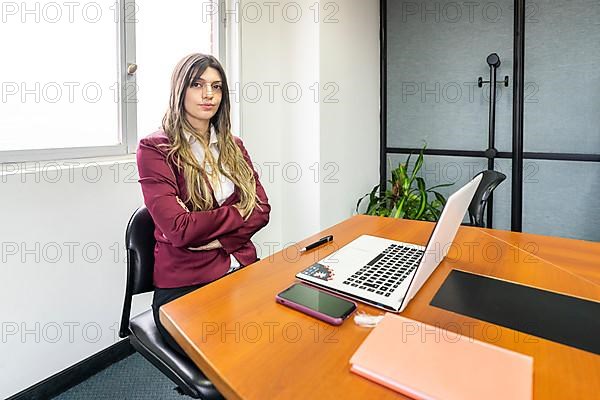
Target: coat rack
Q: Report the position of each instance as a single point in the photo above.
(493, 61)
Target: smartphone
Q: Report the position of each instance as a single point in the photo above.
(316, 303)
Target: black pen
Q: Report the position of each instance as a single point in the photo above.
(319, 242)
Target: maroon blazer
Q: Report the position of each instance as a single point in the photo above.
(176, 229)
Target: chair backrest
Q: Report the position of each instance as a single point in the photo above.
(139, 244)
(489, 182)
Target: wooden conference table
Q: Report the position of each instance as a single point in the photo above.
(253, 348)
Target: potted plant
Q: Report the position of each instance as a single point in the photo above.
(408, 197)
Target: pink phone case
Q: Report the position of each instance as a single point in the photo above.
(313, 313)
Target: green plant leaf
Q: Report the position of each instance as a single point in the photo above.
(440, 197)
(372, 198)
(400, 210)
(423, 197)
(417, 166)
(403, 179)
(440, 186)
(359, 201)
(376, 206)
(407, 163)
(408, 196)
(434, 212)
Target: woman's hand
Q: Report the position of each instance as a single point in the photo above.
(215, 244)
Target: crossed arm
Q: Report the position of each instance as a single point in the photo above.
(215, 244)
(223, 227)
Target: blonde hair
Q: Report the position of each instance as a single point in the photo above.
(231, 161)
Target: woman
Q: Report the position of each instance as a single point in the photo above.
(199, 187)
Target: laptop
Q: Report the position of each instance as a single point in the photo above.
(386, 273)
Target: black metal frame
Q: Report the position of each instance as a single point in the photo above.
(383, 149)
(517, 155)
(500, 154)
(516, 202)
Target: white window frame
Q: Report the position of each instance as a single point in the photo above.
(230, 54)
(227, 36)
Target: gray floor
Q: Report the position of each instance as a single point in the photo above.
(130, 379)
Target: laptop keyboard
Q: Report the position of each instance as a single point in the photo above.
(384, 273)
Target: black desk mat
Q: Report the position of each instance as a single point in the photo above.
(564, 319)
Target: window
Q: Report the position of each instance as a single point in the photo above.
(160, 48)
(68, 88)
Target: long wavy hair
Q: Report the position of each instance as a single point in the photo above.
(231, 161)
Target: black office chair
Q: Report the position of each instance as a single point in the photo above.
(489, 182)
(141, 329)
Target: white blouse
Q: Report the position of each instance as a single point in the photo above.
(221, 185)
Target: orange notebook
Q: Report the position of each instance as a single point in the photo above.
(425, 362)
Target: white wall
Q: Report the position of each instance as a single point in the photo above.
(63, 264)
(349, 128)
(282, 131)
(59, 295)
(339, 139)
